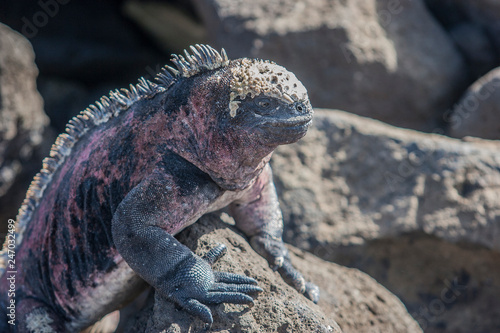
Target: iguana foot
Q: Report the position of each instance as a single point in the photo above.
(274, 250)
(195, 285)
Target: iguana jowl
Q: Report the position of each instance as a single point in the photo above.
(140, 166)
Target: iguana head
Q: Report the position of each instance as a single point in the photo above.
(231, 115)
(256, 97)
(268, 100)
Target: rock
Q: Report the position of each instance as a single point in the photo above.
(478, 111)
(370, 57)
(353, 179)
(418, 212)
(62, 99)
(476, 47)
(482, 48)
(91, 42)
(352, 298)
(356, 301)
(22, 122)
(81, 48)
(445, 287)
(172, 26)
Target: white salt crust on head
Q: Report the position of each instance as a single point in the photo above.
(255, 77)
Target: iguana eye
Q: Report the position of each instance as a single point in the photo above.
(264, 103)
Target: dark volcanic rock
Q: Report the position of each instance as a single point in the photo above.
(476, 47)
(475, 28)
(83, 49)
(90, 41)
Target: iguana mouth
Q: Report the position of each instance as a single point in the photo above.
(295, 122)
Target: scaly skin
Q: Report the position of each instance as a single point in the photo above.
(103, 228)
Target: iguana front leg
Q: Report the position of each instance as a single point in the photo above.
(259, 216)
(142, 229)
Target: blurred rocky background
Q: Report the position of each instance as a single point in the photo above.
(410, 197)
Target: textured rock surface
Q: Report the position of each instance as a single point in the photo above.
(384, 59)
(445, 287)
(356, 302)
(478, 111)
(418, 212)
(22, 121)
(353, 179)
(349, 297)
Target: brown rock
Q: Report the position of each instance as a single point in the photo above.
(353, 179)
(356, 301)
(418, 212)
(478, 111)
(22, 121)
(349, 296)
(445, 287)
(383, 59)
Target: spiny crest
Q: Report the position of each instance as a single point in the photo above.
(203, 58)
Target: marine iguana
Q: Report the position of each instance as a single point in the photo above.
(98, 222)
